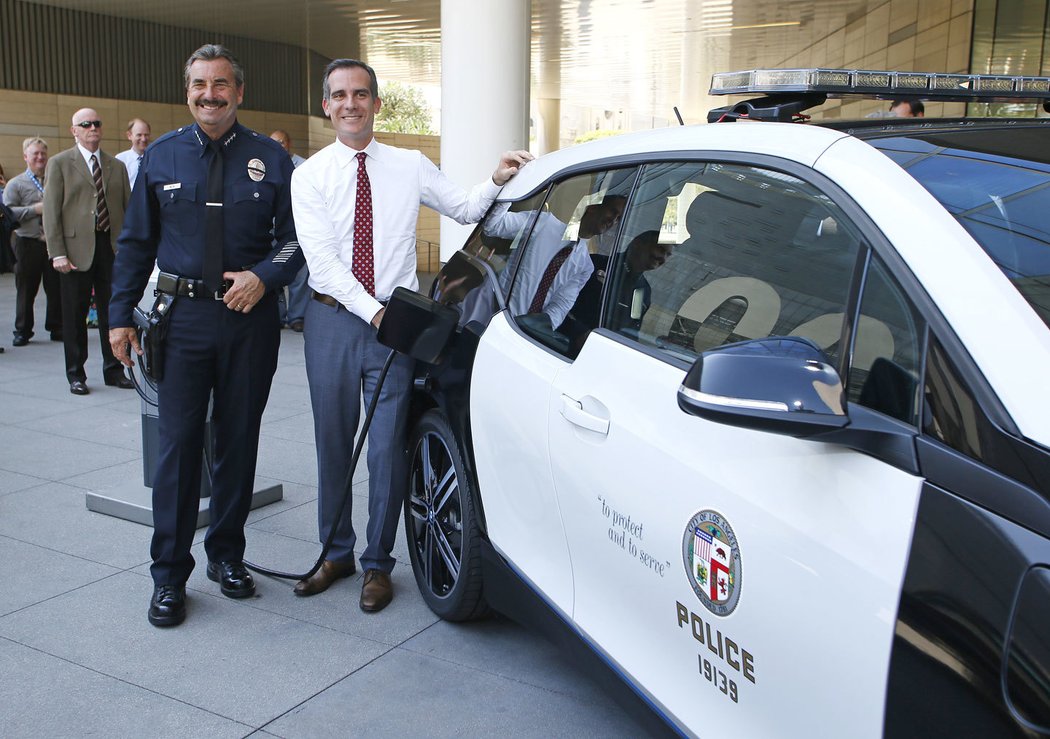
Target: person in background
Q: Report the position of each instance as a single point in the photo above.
(293, 308)
(138, 133)
(85, 196)
(24, 195)
(7, 257)
(908, 109)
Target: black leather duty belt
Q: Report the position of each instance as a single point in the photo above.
(189, 287)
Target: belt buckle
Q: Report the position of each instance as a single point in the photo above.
(224, 287)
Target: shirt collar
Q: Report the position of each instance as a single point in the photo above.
(225, 141)
(88, 154)
(347, 155)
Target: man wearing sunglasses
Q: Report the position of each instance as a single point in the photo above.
(85, 195)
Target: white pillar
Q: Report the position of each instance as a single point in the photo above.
(484, 93)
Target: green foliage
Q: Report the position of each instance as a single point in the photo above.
(603, 133)
(404, 110)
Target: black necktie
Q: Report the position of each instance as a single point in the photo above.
(213, 222)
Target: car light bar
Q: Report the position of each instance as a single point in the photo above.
(885, 85)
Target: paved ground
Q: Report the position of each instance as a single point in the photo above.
(77, 656)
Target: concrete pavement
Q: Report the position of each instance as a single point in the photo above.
(77, 656)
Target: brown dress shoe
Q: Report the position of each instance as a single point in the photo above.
(376, 592)
(321, 580)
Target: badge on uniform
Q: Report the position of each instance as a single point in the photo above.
(256, 170)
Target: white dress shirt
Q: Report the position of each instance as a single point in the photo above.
(131, 161)
(87, 160)
(324, 191)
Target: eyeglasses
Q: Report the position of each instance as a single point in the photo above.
(90, 124)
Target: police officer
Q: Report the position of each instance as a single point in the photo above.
(209, 195)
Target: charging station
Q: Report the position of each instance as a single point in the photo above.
(133, 501)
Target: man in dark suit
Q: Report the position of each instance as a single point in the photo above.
(84, 200)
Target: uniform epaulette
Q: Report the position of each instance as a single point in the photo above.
(180, 131)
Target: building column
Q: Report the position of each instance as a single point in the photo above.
(484, 93)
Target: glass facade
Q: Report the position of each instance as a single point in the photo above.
(1010, 37)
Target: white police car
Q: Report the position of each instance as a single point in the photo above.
(760, 413)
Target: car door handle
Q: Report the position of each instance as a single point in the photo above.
(574, 413)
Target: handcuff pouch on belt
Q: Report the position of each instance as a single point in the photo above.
(153, 330)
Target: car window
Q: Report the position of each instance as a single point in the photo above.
(575, 228)
(464, 283)
(997, 185)
(742, 253)
(887, 348)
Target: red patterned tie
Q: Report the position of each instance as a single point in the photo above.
(548, 278)
(364, 264)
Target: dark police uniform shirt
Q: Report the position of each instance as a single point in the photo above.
(166, 214)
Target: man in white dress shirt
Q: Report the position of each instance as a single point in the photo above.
(355, 204)
(139, 134)
(550, 237)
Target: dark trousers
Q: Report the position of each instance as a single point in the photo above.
(75, 288)
(32, 268)
(343, 362)
(211, 353)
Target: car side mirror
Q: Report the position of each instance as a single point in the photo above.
(783, 385)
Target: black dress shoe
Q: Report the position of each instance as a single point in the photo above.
(78, 388)
(121, 382)
(20, 340)
(233, 577)
(56, 336)
(167, 607)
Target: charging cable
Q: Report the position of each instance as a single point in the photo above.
(347, 487)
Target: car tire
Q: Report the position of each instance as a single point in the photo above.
(440, 523)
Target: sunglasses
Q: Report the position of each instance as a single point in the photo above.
(90, 124)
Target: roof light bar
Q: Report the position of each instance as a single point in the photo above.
(883, 84)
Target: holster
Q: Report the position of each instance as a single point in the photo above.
(153, 332)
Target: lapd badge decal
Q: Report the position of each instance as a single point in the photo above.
(712, 561)
(256, 170)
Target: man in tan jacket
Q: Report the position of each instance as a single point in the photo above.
(84, 200)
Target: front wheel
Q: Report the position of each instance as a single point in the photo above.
(442, 530)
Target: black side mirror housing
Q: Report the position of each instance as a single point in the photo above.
(783, 385)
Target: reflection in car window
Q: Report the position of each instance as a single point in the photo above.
(750, 253)
(951, 413)
(547, 275)
(464, 283)
(998, 188)
(886, 359)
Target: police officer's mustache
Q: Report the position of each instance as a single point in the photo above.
(209, 101)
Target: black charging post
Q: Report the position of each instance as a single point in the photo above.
(132, 500)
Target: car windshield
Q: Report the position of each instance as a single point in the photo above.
(996, 182)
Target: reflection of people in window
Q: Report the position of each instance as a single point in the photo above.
(554, 269)
(633, 294)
